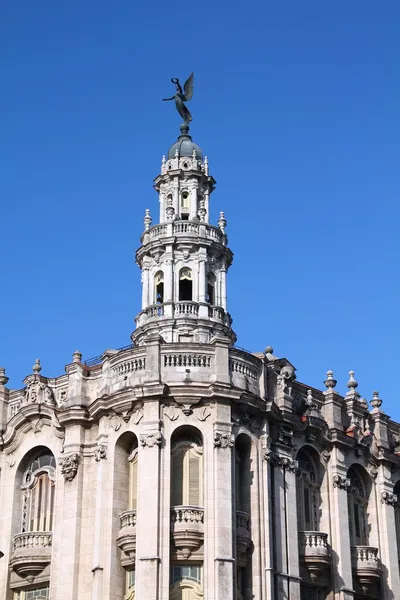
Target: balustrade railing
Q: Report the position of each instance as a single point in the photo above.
(129, 366)
(32, 540)
(187, 360)
(366, 555)
(313, 539)
(155, 310)
(187, 515)
(244, 369)
(187, 308)
(128, 519)
(158, 230)
(186, 227)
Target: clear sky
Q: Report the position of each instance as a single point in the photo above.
(296, 105)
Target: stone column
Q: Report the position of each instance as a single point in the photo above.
(193, 201)
(223, 517)
(100, 456)
(65, 575)
(340, 543)
(387, 534)
(162, 207)
(176, 197)
(207, 206)
(223, 287)
(285, 519)
(147, 529)
(145, 288)
(269, 523)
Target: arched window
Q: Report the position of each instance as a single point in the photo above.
(307, 489)
(159, 287)
(185, 205)
(187, 467)
(186, 582)
(211, 288)
(357, 505)
(397, 517)
(42, 593)
(185, 284)
(38, 493)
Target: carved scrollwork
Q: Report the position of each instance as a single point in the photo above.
(343, 483)
(284, 462)
(390, 499)
(37, 392)
(69, 466)
(100, 453)
(151, 439)
(223, 440)
(203, 413)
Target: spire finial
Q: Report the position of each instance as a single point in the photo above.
(330, 382)
(376, 402)
(77, 356)
(3, 377)
(222, 221)
(352, 384)
(37, 367)
(309, 399)
(147, 219)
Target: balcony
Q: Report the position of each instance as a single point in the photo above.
(366, 567)
(243, 537)
(126, 539)
(31, 553)
(187, 528)
(314, 555)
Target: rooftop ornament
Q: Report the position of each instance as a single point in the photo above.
(376, 402)
(37, 367)
(330, 382)
(182, 96)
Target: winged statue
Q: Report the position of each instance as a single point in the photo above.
(182, 96)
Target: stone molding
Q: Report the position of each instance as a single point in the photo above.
(389, 499)
(343, 483)
(223, 440)
(69, 466)
(151, 439)
(100, 453)
(279, 460)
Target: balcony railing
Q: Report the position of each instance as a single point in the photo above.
(315, 555)
(190, 309)
(126, 539)
(187, 528)
(31, 552)
(365, 558)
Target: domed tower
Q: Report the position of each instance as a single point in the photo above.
(183, 258)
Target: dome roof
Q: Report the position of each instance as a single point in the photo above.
(185, 145)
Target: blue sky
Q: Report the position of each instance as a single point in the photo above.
(297, 107)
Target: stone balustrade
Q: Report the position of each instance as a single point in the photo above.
(315, 554)
(126, 539)
(184, 228)
(187, 309)
(187, 528)
(364, 558)
(245, 370)
(31, 552)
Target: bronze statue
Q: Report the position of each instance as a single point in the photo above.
(182, 96)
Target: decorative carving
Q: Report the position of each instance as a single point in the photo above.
(37, 392)
(286, 375)
(151, 439)
(62, 397)
(115, 422)
(376, 402)
(137, 415)
(285, 462)
(223, 440)
(69, 466)
(171, 412)
(343, 483)
(325, 456)
(330, 382)
(285, 435)
(203, 413)
(390, 499)
(100, 453)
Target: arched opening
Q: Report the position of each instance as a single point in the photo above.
(185, 284)
(397, 517)
(38, 488)
(185, 205)
(308, 491)
(211, 288)
(125, 486)
(159, 287)
(357, 498)
(243, 479)
(187, 514)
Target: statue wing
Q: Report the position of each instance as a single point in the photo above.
(188, 87)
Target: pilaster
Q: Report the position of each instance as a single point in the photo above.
(387, 534)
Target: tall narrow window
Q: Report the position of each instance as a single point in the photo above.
(307, 493)
(187, 476)
(185, 284)
(211, 289)
(185, 205)
(186, 582)
(38, 493)
(159, 287)
(357, 505)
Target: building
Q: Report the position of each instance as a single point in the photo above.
(182, 467)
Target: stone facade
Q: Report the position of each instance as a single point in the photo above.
(183, 467)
